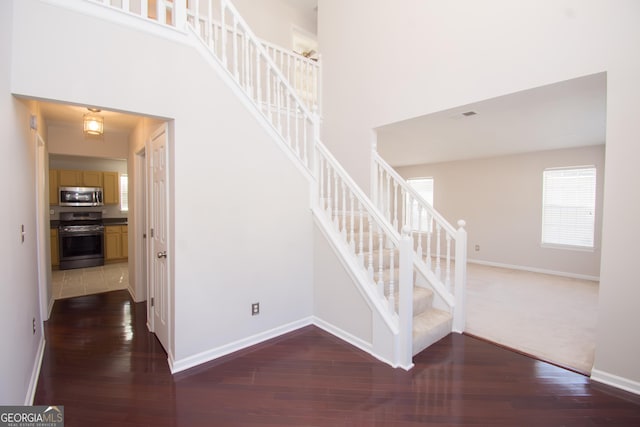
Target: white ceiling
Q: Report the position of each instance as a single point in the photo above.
(71, 115)
(562, 115)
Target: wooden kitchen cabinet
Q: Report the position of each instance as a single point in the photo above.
(55, 248)
(69, 178)
(53, 187)
(73, 178)
(125, 241)
(92, 178)
(116, 238)
(111, 188)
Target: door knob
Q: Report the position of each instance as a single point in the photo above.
(162, 254)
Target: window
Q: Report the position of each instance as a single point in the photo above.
(568, 206)
(424, 187)
(124, 192)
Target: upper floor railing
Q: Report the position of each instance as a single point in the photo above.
(207, 20)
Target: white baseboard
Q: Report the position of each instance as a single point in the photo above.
(344, 336)
(355, 341)
(35, 374)
(615, 381)
(209, 355)
(535, 270)
(51, 302)
(132, 293)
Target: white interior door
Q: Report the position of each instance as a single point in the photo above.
(158, 233)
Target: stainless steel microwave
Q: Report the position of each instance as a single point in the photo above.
(80, 196)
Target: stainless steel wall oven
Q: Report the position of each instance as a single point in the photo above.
(81, 236)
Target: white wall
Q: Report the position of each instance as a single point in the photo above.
(500, 198)
(336, 298)
(19, 303)
(239, 213)
(407, 58)
(273, 20)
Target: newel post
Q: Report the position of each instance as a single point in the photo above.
(180, 11)
(405, 312)
(459, 316)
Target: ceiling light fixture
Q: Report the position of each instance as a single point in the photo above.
(93, 123)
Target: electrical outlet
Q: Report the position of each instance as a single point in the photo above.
(22, 233)
(34, 326)
(255, 308)
(477, 248)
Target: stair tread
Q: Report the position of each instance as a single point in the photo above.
(429, 327)
(422, 300)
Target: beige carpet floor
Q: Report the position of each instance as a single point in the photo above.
(550, 317)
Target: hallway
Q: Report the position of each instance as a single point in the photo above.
(103, 365)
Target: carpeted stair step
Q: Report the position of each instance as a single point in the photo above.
(422, 300)
(430, 327)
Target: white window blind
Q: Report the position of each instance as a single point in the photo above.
(424, 187)
(568, 206)
(124, 192)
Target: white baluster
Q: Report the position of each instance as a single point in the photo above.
(380, 261)
(370, 267)
(223, 35)
(429, 232)
(405, 220)
(360, 237)
(336, 201)
(245, 59)
(144, 9)
(305, 142)
(279, 101)
(381, 197)
(395, 205)
(438, 270)
(447, 280)
(258, 80)
(419, 248)
(161, 12)
(388, 198)
(352, 240)
(267, 74)
(322, 203)
(236, 68)
(289, 112)
(392, 273)
(343, 225)
(329, 210)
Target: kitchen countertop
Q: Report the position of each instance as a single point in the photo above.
(54, 223)
(114, 221)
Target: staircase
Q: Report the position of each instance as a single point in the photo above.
(405, 271)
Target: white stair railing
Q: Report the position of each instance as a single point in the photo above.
(371, 243)
(440, 249)
(246, 59)
(303, 73)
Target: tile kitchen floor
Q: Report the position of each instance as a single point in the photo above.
(90, 280)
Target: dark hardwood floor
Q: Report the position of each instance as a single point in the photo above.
(103, 365)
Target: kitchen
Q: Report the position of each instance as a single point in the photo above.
(89, 230)
(88, 237)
